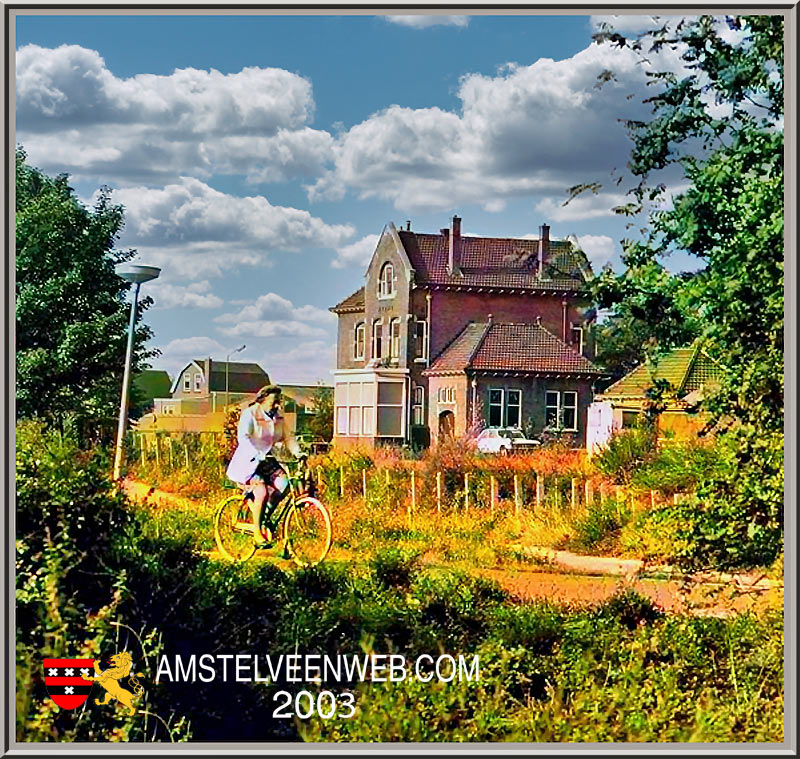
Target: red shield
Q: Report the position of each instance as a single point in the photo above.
(64, 682)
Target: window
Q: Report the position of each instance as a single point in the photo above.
(390, 409)
(420, 340)
(418, 405)
(394, 338)
(446, 394)
(513, 408)
(377, 339)
(386, 282)
(505, 407)
(496, 407)
(187, 382)
(354, 408)
(577, 338)
(561, 410)
(358, 341)
(198, 382)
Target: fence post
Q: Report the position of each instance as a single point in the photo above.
(438, 492)
(341, 481)
(413, 491)
(364, 483)
(141, 448)
(588, 496)
(602, 492)
(186, 454)
(492, 492)
(319, 478)
(158, 461)
(169, 451)
(652, 499)
(517, 496)
(466, 491)
(539, 491)
(573, 493)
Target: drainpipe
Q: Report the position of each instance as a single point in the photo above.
(564, 320)
(428, 330)
(474, 403)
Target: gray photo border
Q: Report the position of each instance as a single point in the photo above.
(7, 696)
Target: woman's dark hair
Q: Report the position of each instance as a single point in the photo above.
(267, 390)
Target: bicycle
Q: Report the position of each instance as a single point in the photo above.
(300, 521)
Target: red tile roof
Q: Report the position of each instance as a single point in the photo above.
(518, 348)
(351, 304)
(496, 262)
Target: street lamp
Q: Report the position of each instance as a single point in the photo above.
(227, 362)
(136, 274)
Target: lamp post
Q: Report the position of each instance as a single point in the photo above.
(136, 274)
(227, 361)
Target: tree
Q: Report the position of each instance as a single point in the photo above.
(72, 317)
(720, 121)
(321, 424)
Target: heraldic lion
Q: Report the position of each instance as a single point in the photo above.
(109, 679)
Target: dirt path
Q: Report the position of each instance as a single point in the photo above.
(703, 595)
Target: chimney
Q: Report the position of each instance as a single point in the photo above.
(491, 319)
(408, 225)
(207, 372)
(454, 252)
(544, 247)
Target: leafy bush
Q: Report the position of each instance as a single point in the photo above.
(600, 526)
(626, 451)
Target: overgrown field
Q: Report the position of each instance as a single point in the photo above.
(96, 574)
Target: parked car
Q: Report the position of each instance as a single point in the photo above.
(503, 441)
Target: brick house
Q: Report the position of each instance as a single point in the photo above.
(452, 333)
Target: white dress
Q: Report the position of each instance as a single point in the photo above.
(256, 435)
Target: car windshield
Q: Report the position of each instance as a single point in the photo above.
(513, 434)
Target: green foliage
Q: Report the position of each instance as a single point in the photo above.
(731, 219)
(320, 425)
(625, 453)
(71, 313)
(599, 528)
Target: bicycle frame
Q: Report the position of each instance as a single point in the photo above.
(297, 480)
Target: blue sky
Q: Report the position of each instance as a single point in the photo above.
(259, 157)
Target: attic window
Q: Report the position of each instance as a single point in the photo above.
(386, 281)
(198, 380)
(187, 382)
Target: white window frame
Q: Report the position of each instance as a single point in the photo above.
(490, 405)
(394, 339)
(187, 383)
(579, 329)
(386, 279)
(401, 406)
(560, 406)
(361, 327)
(376, 340)
(355, 419)
(198, 382)
(418, 405)
(518, 425)
(422, 355)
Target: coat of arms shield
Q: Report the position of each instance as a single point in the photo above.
(65, 683)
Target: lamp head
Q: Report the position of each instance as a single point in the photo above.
(137, 273)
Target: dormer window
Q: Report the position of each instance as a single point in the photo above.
(577, 338)
(386, 281)
(187, 382)
(198, 380)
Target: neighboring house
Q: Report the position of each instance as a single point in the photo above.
(200, 392)
(452, 333)
(150, 384)
(689, 372)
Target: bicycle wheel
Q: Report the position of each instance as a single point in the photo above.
(308, 532)
(233, 529)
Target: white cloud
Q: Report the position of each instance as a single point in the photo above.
(585, 206)
(192, 230)
(307, 363)
(357, 253)
(427, 21)
(530, 130)
(598, 248)
(271, 315)
(75, 115)
(177, 353)
(195, 295)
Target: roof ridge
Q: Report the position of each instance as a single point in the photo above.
(486, 327)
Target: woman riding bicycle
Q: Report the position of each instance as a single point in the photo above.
(253, 465)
